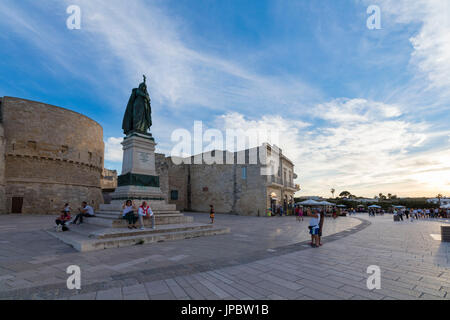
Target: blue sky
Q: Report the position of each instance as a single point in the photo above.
(358, 109)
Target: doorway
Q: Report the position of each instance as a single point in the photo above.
(17, 204)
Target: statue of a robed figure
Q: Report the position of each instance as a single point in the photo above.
(138, 116)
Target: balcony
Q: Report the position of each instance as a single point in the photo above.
(279, 182)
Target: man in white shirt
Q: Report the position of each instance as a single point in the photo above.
(86, 211)
(145, 212)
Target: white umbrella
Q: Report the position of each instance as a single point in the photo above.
(445, 206)
(341, 206)
(326, 203)
(310, 203)
(374, 206)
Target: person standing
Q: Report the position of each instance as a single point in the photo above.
(300, 214)
(211, 213)
(145, 212)
(319, 235)
(314, 229)
(128, 214)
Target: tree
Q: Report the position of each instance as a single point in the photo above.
(344, 194)
(332, 192)
(389, 196)
(439, 196)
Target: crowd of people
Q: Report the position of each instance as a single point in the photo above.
(129, 213)
(417, 213)
(85, 211)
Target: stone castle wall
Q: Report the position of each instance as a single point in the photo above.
(162, 168)
(109, 180)
(198, 186)
(2, 169)
(178, 181)
(251, 191)
(53, 156)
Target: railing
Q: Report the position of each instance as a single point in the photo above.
(279, 180)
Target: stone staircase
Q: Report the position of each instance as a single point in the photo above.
(91, 237)
(108, 230)
(110, 215)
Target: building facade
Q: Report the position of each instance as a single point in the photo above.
(443, 201)
(238, 187)
(108, 183)
(48, 156)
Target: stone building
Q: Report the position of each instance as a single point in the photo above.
(108, 183)
(48, 156)
(245, 189)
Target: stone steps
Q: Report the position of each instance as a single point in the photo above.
(85, 239)
(118, 233)
(119, 213)
(113, 222)
(161, 205)
(115, 215)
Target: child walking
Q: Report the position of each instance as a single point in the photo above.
(211, 213)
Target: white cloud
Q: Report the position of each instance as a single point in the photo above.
(431, 45)
(348, 111)
(368, 152)
(113, 149)
(145, 39)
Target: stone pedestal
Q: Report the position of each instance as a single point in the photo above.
(139, 180)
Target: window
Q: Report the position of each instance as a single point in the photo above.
(32, 145)
(174, 195)
(244, 173)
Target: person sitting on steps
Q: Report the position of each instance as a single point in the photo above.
(62, 220)
(145, 212)
(128, 214)
(85, 211)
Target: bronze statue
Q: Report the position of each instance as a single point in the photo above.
(138, 116)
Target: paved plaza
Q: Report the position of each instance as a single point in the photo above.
(262, 258)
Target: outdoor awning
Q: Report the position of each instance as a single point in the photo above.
(309, 203)
(326, 203)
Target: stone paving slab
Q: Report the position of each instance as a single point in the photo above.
(405, 252)
(47, 256)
